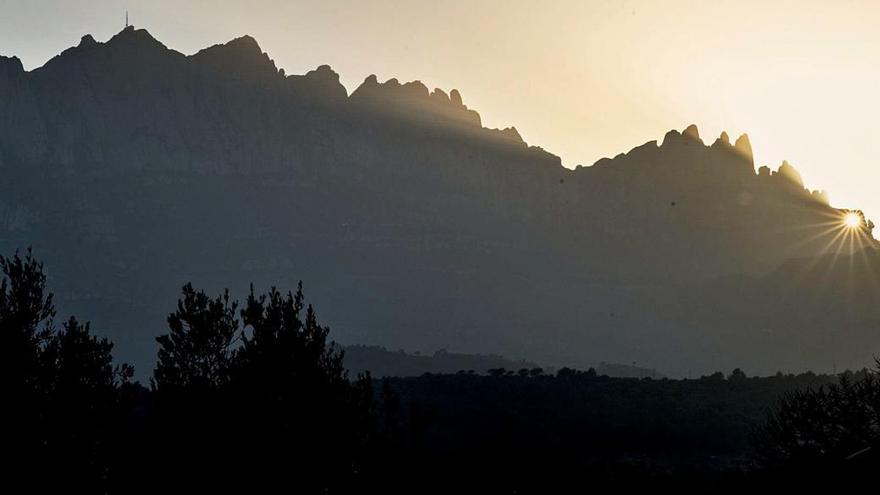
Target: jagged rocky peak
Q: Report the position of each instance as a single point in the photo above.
(689, 136)
(87, 41)
(671, 137)
(788, 177)
(323, 81)
(508, 134)
(440, 96)
(246, 43)
(414, 96)
(131, 38)
(511, 133)
(787, 171)
(455, 98)
(323, 77)
(130, 48)
(744, 147)
(243, 46)
(821, 196)
(370, 80)
(721, 150)
(692, 133)
(323, 73)
(10, 67)
(12, 76)
(371, 88)
(722, 141)
(241, 57)
(135, 51)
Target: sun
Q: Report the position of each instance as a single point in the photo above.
(852, 220)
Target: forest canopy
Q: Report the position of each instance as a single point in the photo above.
(257, 387)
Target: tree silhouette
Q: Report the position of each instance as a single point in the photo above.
(26, 314)
(256, 399)
(302, 407)
(497, 371)
(59, 386)
(824, 438)
(79, 384)
(737, 375)
(77, 363)
(197, 352)
(265, 381)
(191, 382)
(824, 425)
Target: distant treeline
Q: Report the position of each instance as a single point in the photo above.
(252, 397)
(381, 362)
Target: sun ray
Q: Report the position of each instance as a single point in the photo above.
(823, 254)
(834, 223)
(836, 254)
(830, 230)
(869, 267)
(852, 220)
(830, 251)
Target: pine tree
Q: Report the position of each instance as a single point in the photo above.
(197, 352)
(59, 386)
(304, 416)
(194, 421)
(79, 384)
(26, 314)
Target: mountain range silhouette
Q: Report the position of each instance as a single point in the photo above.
(133, 169)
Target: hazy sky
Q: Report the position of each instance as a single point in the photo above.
(583, 79)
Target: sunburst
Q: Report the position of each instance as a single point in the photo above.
(852, 220)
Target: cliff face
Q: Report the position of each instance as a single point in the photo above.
(132, 169)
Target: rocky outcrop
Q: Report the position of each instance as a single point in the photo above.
(414, 101)
(10, 69)
(744, 147)
(240, 60)
(722, 141)
(23, 137)
(132, 168)
(787, 172)
(317, 87)
(691, 133)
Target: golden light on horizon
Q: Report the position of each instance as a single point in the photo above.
(798, 76)
(845, 236)
(852, 220)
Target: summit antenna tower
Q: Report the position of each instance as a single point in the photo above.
(126, 19)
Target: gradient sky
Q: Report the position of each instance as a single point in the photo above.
(583, 79)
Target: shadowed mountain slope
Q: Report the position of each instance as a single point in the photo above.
(132, 168)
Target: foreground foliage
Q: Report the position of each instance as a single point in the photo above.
(253, 396)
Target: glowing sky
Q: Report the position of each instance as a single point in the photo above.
(583, 79)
